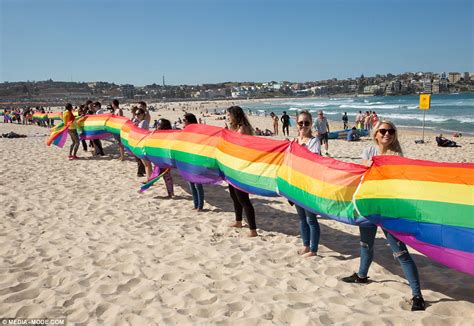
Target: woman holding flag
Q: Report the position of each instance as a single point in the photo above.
(68, 118)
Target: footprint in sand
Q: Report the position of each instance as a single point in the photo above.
(17, 288)
(69, 302)
(24, 295)
(127, 287)
(30, 311)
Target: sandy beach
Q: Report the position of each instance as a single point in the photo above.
(78, 241)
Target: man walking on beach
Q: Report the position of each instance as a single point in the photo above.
(321, 125)
(285, 119)
(345, 119)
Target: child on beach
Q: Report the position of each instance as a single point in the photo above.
(386, 143)
(197, 189)
(238, 122)
(309, 226)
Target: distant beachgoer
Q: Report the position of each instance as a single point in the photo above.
(118, 112)
(239, 122)
(345, 120)
(140, 165)
(359, 120)
(309, 226)
(444, 142)
(375, 119)
(368, 121)
(275, 123)
(386, 143)
(197, 190)
(321, 125)
(353, 135)
(68, 117)
(285, 120)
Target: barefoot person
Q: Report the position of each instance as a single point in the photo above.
(275, 123)
(285, 120)
(68, 117)
(309, 226)
(238, 122)
(386, 143)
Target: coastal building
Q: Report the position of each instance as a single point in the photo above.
(426, 85)
(454, 77)
(128, 91)
(466, 76)
(435, 86)
(371, 89)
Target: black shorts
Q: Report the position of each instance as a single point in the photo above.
(323, 138)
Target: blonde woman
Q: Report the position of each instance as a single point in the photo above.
(385, 137)
(309, 226)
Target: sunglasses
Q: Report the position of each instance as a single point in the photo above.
(304, 123)
(384, 131)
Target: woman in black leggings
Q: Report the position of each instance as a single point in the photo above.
(238, 122)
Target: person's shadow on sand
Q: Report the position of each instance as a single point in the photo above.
(433, 276)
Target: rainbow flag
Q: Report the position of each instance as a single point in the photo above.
(7, 117)
(193, 152)
(93, 126)
(115, 123)
(55, 116)
(320, 184)
(135, 143)
(38, 116)
(427, 205)
(250, 163)
(152, 181)
(58, 135)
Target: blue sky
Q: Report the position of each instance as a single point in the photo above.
(209, 41)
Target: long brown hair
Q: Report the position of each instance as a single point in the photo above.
(239, 120)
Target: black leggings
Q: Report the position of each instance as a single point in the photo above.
(84, 144)
(242, 203)
(75, 142)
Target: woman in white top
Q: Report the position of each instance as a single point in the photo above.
(386, 142)
(309, 226)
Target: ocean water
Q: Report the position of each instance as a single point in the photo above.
(448, 113)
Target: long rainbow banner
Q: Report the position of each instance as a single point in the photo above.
(428, 205)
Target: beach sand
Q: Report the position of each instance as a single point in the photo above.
(78, 241)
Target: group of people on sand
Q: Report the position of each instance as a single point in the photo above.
(25, 116)
(366, 120)
(385, 142)
(72, 115)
